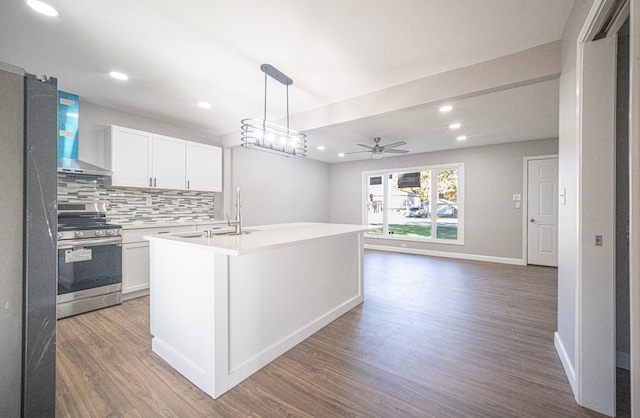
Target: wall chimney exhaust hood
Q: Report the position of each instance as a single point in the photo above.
(74, 166)
(68, 118)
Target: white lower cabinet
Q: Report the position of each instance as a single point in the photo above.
(135, 259)
(135, 256)
(135, 267)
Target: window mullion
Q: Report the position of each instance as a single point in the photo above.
(434, 203)
(385, 204)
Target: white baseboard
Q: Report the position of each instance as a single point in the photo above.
(566, 363)
(623, 360)
(462, 256)
(136, 294)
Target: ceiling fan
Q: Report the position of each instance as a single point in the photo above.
(377, 150)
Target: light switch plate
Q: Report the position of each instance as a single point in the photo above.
(517, 197)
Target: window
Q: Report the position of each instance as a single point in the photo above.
(416, 204)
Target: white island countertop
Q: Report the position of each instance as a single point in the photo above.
(262, 238)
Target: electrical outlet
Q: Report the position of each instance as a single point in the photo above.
(517, 197)
(598, 240)
(403, 245)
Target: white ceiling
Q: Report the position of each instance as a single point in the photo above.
(179, 53)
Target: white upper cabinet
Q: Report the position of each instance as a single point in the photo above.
(204, 167)
(129, 157)
(168, 162)
(145, 160)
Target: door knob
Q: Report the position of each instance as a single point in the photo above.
(532, 220)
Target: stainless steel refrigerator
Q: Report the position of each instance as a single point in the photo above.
(40, 251)
(28, 256)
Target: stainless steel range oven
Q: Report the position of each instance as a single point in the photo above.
(89, 259)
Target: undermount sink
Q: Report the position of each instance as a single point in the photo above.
(213, 232)
(201, 234)
(197, 234)
(245, 232)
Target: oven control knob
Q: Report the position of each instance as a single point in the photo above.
(78, 234)
(99, 233)
(111, 232)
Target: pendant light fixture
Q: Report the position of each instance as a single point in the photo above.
(266, 136)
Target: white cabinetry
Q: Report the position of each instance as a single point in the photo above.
(204, 168)
(135, 255)
(135, 267)
(145, 160)
(168, 162)
(129, 157)
(135, 259)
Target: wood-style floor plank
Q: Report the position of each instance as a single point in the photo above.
(435, 337)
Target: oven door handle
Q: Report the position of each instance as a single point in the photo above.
(81, 243)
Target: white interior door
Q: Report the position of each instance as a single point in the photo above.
(542, 212)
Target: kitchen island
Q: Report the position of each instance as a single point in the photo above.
(224, 306)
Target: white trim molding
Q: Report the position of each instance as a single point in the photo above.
(446, 254)
(566, 361)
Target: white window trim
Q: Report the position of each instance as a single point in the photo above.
(385, 179)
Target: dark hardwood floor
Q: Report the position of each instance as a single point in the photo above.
(435, 337)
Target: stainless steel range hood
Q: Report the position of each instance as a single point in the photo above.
(73, 166)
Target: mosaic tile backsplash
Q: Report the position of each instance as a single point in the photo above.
(128, 205)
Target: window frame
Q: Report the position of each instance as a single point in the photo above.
(384, 173)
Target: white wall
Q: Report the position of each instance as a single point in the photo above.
(493, 226)
(95, 120)
(276, 189)
(568, 158)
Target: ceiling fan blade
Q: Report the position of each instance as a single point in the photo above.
(396, 151)
(355, 152)
(395, 144)
(366, 146)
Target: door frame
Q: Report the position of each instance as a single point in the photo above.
(525, 202)
(584, 384)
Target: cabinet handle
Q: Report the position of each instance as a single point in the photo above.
(150, 181)
(188, 184)
(154, 182)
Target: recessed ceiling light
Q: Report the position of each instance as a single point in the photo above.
(43, 8)
(204, 105)
(342, 154)
(461, 138)
(118, 76)
(320, 147)
(455, 126)
(446, 108)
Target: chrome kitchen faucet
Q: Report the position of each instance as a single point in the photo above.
(238, 220)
